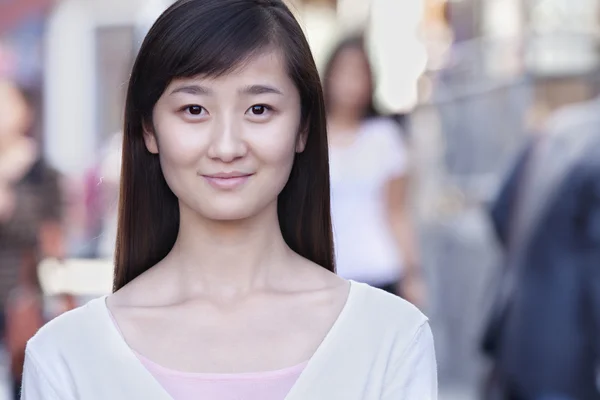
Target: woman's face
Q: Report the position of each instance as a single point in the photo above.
(227, 144)
(350, 81)
(14, 112)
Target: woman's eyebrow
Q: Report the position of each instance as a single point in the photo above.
(260, 89)
(247, 90)
(192, 89)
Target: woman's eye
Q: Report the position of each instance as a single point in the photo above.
(194, 110)
(259, 110)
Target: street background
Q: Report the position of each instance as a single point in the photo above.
(466, 79)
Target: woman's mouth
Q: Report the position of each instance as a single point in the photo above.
(227, 180)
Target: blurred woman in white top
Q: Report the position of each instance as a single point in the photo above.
(373, 234)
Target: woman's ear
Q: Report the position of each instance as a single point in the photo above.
(150, 138)
(301, 140)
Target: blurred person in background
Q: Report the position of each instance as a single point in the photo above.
(30, 224)
(369, 163)
(544, 331)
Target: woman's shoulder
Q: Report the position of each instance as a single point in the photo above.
(70, 332)
(383, 312)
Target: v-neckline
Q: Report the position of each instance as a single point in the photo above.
(310, 371)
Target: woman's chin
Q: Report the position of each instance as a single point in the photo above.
(223, 213)
(227, 209)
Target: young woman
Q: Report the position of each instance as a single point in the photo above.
(224, 283)
(374, 239)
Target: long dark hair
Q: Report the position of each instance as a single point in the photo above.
(212, 38)
(354, 42)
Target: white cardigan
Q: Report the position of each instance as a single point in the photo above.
(380, 348)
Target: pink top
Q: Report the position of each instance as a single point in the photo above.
(271, 385)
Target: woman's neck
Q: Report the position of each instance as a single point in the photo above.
(344, 120)
(229, 258)
(342, 132)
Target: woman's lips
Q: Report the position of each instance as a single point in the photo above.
(227, 180)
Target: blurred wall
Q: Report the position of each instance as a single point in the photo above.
(397, 52)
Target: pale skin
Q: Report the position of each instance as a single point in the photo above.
(350, 88)
(231, 297)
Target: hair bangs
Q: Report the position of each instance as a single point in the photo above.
(211, 43)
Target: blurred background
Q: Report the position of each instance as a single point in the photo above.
(467, 81)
